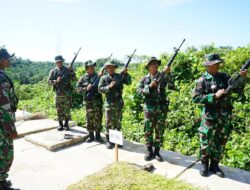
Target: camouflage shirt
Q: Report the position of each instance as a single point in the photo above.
(66, 75)
(8, 104)
(84, 81)
(206, 87)
(115, 94)
(154, 96)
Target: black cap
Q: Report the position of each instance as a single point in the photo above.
(153, 60)
(4, 54)
(59, 58)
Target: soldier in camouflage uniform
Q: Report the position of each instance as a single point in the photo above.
(61, 78)
(155, 107)
(111, 85)
(8, 106)
(216, 124)
(88, 86)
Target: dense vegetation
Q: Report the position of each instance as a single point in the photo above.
(184, 116)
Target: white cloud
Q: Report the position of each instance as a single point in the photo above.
(168, 3)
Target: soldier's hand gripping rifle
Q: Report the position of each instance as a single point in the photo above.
(170, 61)
(234, 81)
(95, 80)
(62, 75)
(128, 62)
(103, 68)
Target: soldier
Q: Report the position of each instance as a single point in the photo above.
(61, 78)
(111, 85)
(155, 107)
(88, 86)
(8, 106)
(215, 126)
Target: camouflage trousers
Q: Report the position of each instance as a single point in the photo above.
(154, 125)
(214, 133)
(94, 116)
(114, 116)
(63, 107)
(6, 154)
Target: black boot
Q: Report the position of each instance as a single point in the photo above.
(98, 137)
(109, 145)
(60, 128)
(6, 185)
(91, 137)
(157, 155)
(150, 155)
(214, 167)
(66, 125)
(204, 168)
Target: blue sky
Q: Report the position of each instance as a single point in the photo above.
(41, 29)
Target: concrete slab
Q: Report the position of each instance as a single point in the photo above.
(236, 179)
(21, 115)
(54, 140)
(36, 168)
(36, 126)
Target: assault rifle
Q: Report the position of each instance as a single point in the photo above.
(170, 61)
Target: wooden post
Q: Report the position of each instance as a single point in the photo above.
(116, 152)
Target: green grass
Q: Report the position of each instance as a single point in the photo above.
(124, 176)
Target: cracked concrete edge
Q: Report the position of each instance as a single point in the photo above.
(71, 124)
(57, 147)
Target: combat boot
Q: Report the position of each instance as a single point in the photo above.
(91, 137)
(60, 128)
(66, 125)
(204, 168)
(109, 145)
(98, 137)
(150, 155)
(214, 167)
(6, 185)
(157, 155)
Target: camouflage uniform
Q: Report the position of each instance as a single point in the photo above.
(215, 126)
(64, 91)
(8, 106)
(155, 108)
(93, 100)
(114, 102)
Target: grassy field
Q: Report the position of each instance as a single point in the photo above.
(123, 176)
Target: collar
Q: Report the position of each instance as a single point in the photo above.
(207, 75)
(151, 76)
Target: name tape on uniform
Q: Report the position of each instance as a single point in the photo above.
(116, 137)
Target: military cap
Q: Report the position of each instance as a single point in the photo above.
(4, 54)
(212, 59)
(153, 60)
(90, 64)
(59, 58)
(109, 63)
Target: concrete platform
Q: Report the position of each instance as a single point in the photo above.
(235, 179)
(60, 168)
(36, 126)
(54, 140)
(21, 115)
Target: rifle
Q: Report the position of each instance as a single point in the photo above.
(90, 93)
(129, 60)
(103, 68)
(72, 62)
(170, 61)
(234, 80)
